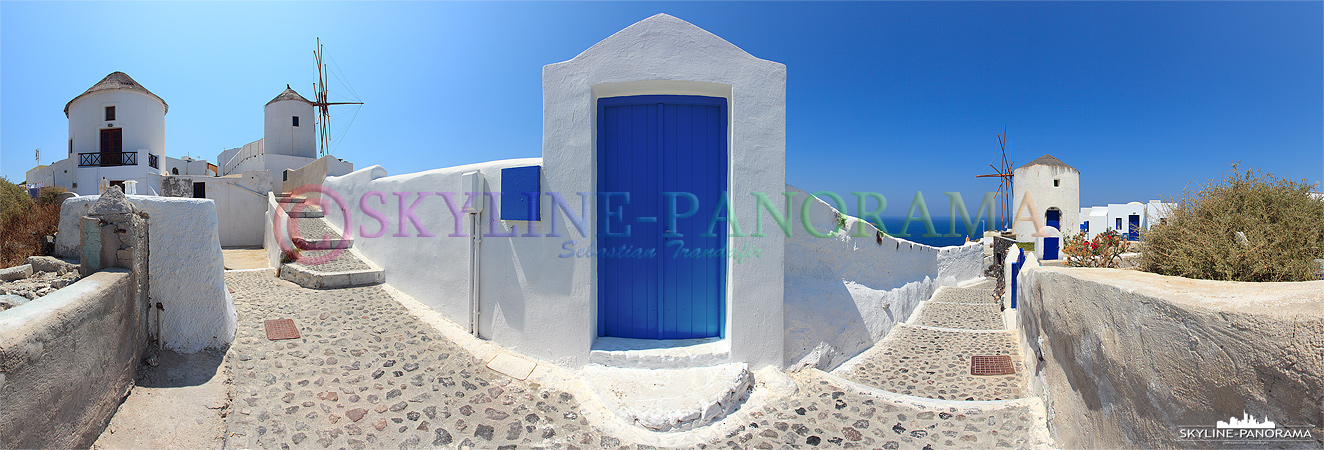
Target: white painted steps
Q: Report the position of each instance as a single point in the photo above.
(671, 399)
(325, 257)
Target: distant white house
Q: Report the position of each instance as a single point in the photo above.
(116, 133)
(1128, 218)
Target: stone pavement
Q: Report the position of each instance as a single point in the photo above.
(930, 356)
(366, 373)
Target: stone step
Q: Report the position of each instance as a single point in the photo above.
(288, 199)
(332, 269)
(314, 233)
(935, 363)
(968, 316)
(301, 210)
(671, 399)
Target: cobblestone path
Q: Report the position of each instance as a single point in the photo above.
(931, 357)
(367, 374)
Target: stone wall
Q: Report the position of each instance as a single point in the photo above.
(172, 186)
(66, 361)
(1124, 358)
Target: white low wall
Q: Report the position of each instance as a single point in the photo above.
(67, 361)
(1125, 358)
(844, 293)
(526, 302)
(185, 267)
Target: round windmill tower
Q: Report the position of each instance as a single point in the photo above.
(1054, 188)
(289, 126)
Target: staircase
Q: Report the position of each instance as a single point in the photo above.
(931, 354)
(327, 260)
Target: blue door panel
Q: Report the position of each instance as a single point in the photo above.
(648, 146)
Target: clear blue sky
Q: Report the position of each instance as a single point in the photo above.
(1141, 97)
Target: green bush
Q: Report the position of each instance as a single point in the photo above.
(1252, 226)
(14, 200)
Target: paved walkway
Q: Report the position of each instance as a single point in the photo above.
(931, 356)
(366, 373)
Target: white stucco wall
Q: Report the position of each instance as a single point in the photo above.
(281, 137)
(241, 205)
(1124, 211)
(1038, 181)
(185, 267)
(846, 292)
(527, 291)
(666, 55)
(235, 160)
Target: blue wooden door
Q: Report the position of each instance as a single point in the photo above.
(1133, 227)
(1054, 218)
(1050, 248)
(661, 156)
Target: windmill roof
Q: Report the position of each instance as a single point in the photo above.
(1048, 160)
(288, 94)
(115, 81)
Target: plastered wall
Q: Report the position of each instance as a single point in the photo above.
(66, 362)
(1123, 358)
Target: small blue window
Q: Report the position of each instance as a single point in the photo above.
(520, 189)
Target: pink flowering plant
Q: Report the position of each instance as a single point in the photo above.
(1105, 250)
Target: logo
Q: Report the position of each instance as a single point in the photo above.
(1246, 430)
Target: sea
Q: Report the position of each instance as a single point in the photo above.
(943, 225)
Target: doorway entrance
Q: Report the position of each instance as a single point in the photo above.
(662, 171)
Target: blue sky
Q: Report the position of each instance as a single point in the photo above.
(1142, 97)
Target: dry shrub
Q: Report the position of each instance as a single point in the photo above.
(1282, 222)
(23, 222)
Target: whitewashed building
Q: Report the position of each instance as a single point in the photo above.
(116, 133)
(1129, 219)
(582, 275)
(289, 141)
(1054, 188)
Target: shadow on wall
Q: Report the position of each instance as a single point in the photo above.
(1130, 358)
(844, 293)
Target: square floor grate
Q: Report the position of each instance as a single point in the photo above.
(991, 365)
(281, 329)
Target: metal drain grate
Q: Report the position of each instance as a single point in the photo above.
(281, 329)
(991, 365)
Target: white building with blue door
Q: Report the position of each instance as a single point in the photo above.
(650, 232)
(665, 117)
(1129, 219)
(1048, 190)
